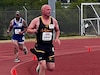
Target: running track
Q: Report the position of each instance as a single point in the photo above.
(73, 57)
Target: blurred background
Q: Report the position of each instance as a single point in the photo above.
(67, 12)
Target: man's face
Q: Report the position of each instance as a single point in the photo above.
(17, 16)
(47, 11)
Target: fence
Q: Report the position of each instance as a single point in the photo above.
(68, 20)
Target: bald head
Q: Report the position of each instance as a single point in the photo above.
(45, 6)
(46, 10)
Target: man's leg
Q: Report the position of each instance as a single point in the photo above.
(23, 47)
(50, 66)
(42, 66)
(15, 43)
(51, 59)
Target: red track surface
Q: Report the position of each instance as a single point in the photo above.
(73, 57)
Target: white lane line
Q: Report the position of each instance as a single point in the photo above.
(14, 68)
(92, 46)
(57, 54)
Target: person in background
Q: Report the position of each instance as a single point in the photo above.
(19, 27)
(43, 26)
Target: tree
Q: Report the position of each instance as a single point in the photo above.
(74, 3)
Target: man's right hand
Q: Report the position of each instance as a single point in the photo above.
(34, 30)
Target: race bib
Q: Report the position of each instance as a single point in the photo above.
(17, 31)
(20, 24)
(51, 26)
(47, 36)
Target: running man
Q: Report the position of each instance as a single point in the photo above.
(43, 26)
(19, 27)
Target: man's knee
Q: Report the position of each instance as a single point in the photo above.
(51, 67)
(43, 64)
(21, 47)
(15, 50)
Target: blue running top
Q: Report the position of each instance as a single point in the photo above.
(18, 27)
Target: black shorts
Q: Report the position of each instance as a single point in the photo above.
(44, 52)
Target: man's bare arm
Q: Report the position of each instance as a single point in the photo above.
(57, 30)
(33, 26)
(25, 27)
(10, 27)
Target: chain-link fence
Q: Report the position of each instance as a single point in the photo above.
(68, 20)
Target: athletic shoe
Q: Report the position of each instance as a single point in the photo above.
(17, 60)
(25, 51)
(38, 68)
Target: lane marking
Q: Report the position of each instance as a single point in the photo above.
(92, 46)
(13, 68)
